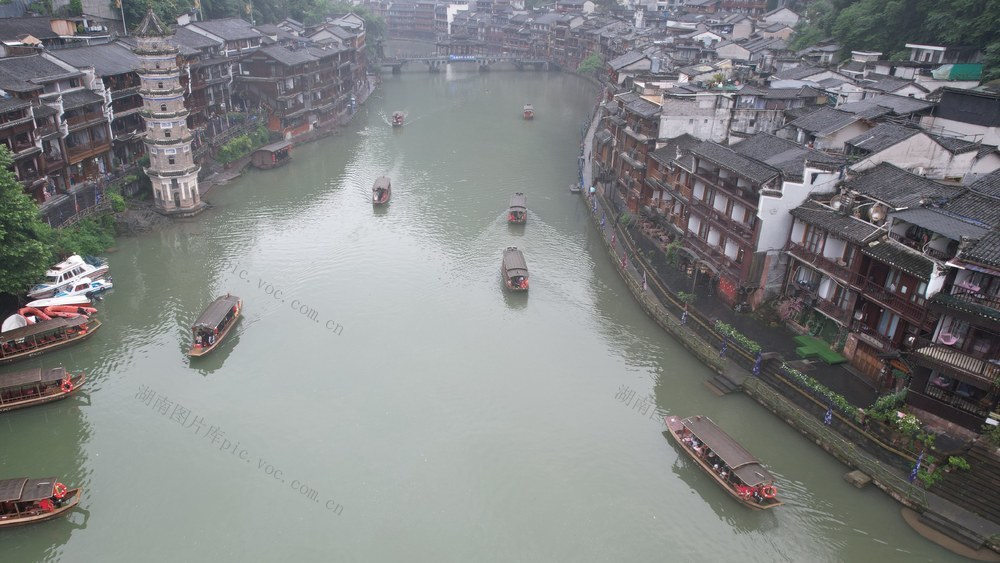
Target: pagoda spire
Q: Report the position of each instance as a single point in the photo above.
(150, 26)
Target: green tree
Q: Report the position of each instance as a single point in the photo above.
(591, 66)
(25, 253)
(75, 7)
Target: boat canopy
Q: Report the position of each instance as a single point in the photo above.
(10, 489)
(528, 107)
(513, 263)
(518, 201)
(37, 489)
(740, 461)
(275, 147)
(42, 327)
(381, 184)
(36, 375)
(215, 312)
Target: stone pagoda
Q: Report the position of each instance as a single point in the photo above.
(172, 169)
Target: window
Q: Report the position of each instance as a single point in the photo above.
(163, 107)
(888, 323)
(170, 160)
(159, 85)
(166, 133)
(813, 239)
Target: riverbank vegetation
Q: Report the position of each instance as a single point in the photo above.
(242, 145)
(886, 27)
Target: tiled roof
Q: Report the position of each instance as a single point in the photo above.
(985, 251)
(969, 307)
(838, 224)
(903, 257)
(940, 222)
(108, 59)
(229, 29)
(976, 207)
(899, 105)
(193, 39)
(626, 59)
(955, 145)
(797, 73)
(15, 28)
(988, 185)
(881, 137)
(288, 57)
(11, 104)
(24, 74)
(824, 121)
(887, 84)
(783, 154)
(899, 188)
(643, 107)
(729, 159)
(677, 150)
(80, 98)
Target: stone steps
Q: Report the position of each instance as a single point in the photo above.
(721, 385)
(977, 489)
(952, 530)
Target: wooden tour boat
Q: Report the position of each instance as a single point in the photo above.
(381, 191)
(272, 156)
(397, 118)
(529, 111)
(36, 386)
(514, 270)
(725, 460)
(518, 213)
(44, 336)
(214, 324)
(27, 501)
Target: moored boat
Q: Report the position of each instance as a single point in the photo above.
(36, 386)
(28, 501)
(575, 188)
(79, 300)
(518, 213)
(273, 155)
(725, 460)
(44, 336)
(381, 191)
(66, 272)
(529, 111)
(86, 287)
(214, 324)
(514, 270)
(397, 118)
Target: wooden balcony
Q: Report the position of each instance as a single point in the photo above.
(823, 264)
(81, 152)
(832, 310)
(953, 361)
(85, 120)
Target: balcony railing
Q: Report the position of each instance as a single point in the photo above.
(724, 221)
(874, 291)
(923, 249)
(833, 311)
(82, 151)
(981, 299)
(714, 255)
(822, 263)
(951, 359)
(77, 120)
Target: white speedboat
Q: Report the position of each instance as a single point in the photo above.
(84, 287)
(72, 300)
(66, 273)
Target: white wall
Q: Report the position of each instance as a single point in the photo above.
(969, 131)
(773, 212)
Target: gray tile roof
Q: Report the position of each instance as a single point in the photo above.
(838, 224)
(11, 104)
(626, 59)
(988, 185)
(643, 107)
(985, 251)
(881, 137)
(24, 74)
(903, 257)
(785, 155)
(940, 222)
(727, 158)
(887, 84)
(797, 73)
(955, 145)
(17, 28)
(80, 98)
(193, 39)
(108, 59)
(899, 105)
(976, 207)
(899, 188)
(229, 29)
(286, 56)
(677, 150)
(824, 121)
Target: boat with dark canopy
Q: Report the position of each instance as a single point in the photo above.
(273, 155)
(36, 386)
(44, 336)
(514, 270)
(214, 324)
(518, 213)
(725, 460)
(381, 191)
(27, 501)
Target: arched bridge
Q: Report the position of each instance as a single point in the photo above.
(437, 62)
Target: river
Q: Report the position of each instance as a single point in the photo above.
(384, 399)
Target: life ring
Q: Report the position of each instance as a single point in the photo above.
(67, 385)
(59, 490)
(768, 491)
(524, 284)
